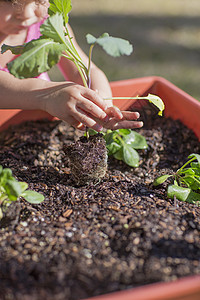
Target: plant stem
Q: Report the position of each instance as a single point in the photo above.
(89, 65)
(125, 98)
(188, 162)
(87, 133)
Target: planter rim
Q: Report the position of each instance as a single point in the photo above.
(187, 288)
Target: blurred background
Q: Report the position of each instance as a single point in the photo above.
(165, 36)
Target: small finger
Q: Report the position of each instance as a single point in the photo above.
(95, 98)
(86, 120)
(92, 109)
(129, 115)
(114, 111)
(114, 124)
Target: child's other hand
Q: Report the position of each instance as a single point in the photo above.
(121, 119)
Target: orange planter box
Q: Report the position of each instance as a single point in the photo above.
(179, 105)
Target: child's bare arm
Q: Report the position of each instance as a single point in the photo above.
(73, 103)
(66, 100)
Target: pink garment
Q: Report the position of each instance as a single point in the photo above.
(33, 33)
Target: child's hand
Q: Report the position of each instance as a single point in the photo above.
(77, 105)
(121, 119)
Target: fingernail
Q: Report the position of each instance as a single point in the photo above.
(137, 115)
(119, 112)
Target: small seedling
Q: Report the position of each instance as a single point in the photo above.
(11, 190)
(42, 54)
(186, 181)
(123, 145)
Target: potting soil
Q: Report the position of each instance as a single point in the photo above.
(89, 240)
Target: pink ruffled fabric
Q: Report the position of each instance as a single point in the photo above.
(33, 33)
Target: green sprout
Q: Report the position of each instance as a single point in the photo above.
(186, 181)
(11, 190)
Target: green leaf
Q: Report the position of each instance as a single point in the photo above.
(159, 180)
(183, 194)
(157, 101)
(197, 156)
(61, 6)
(53, 28)
(23, 185)
(136, 140)
(130, 156)
(119, 154)
(196, 168)
(38, 56)
(123, 131)
(33, 197)
(112, 45)
(113, 148)
(6, 175)
(13, 189)
(113, 144)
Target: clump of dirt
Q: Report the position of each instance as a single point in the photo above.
(87, 159)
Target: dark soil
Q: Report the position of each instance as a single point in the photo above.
(94, 239)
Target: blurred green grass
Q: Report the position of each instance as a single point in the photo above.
(165, 36)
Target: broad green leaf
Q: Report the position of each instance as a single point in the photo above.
(196, 168)
(23, 185)
(1, 169)
(7, 173)
(39, 56)
(113, 148)
(157, 101)
(136, 140)
(53, 28)
(111, 137)
(192, 182)
(123, 131)
(112, 45)
(13, 189)
(195, 186)
(130, 156)
(197, 156)
(188, 172)
(119, 154)
(183, 194)
(5, 176)
(61, 6)
(187, 180)
(159, 180)
(112, 143)
(92, 39)
(33, 197)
